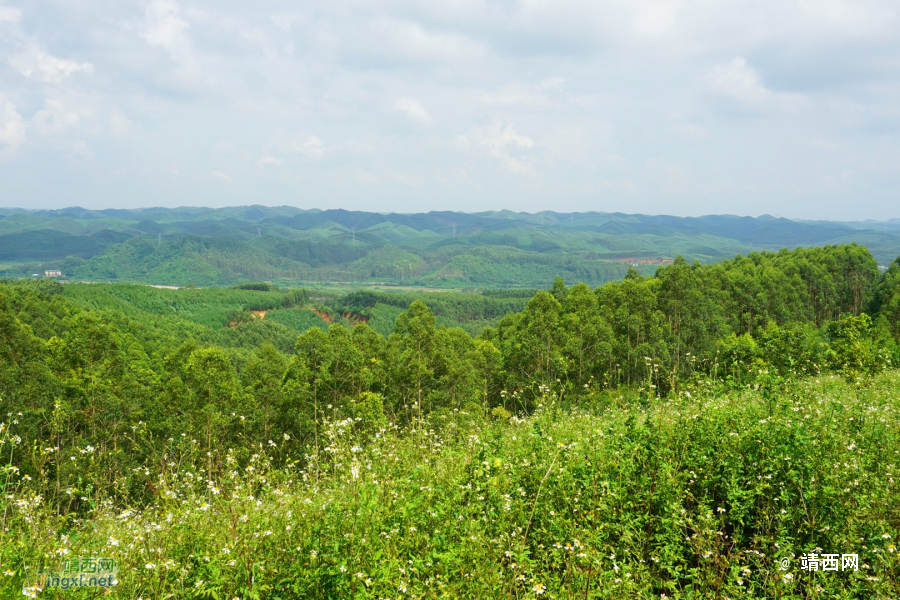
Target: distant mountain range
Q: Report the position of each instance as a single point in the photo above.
(206, 246)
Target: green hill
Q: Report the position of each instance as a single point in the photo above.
(290, 246)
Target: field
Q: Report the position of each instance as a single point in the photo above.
(611, 496)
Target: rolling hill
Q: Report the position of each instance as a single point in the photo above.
(210, 247)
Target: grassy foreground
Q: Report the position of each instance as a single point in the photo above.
(698, 496)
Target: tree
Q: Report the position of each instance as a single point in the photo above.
(588, 336)
(216, 399)
(262, 376)
(313, 372)
(532, 344)
(414, 341)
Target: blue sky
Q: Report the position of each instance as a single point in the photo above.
(682, 107)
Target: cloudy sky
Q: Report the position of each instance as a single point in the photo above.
(685, 107)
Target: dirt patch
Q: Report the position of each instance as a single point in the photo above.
(322, 315)
(259, 314)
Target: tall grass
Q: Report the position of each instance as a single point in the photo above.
(696, 496)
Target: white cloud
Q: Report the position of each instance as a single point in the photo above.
(413, 110)
(165, 27)
(268, 160)
(406, 42)
(221, 176)
(569, 82)
(57, 117)
(119, 124)
(518, 95)
(12, 126)
(81, 149)
(738, 81)
(38, 64)
(655, 18)
(262, 41)
(500, 141)
(9, 14)
(499, 136)
(311, 147)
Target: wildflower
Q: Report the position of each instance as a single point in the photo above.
(539, 588)
(343, 569)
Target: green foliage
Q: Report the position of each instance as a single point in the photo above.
(290, 247)
(656, 435)
(257, 286)
(684, 498)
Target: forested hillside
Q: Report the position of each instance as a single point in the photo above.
(168, 357)
(155, 402)
(291, 247)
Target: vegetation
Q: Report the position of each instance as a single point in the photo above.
(674, 435)
(292, 247)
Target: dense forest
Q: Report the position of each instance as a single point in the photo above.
(112, 396)
(292, 247)
(747, 321)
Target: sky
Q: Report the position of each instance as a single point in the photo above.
(682, 107)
